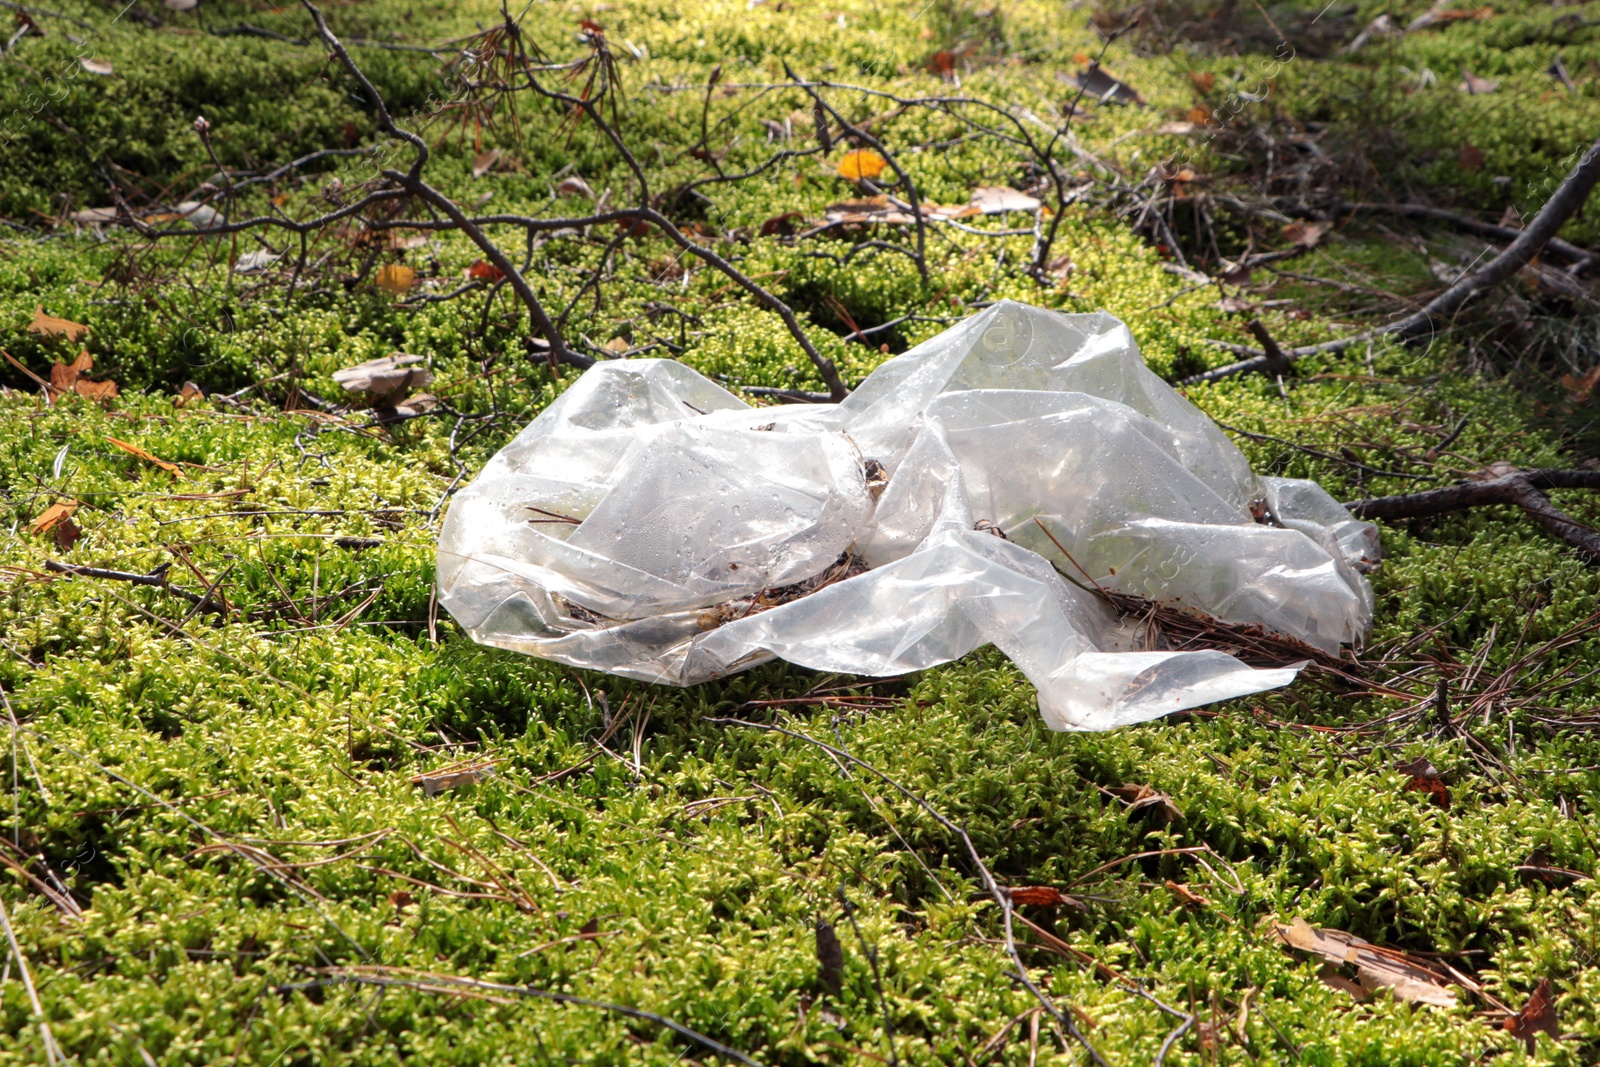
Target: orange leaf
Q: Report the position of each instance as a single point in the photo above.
(1040, 895)
(1203, 80)
(487, 272)
(861, 163)
(1199, 115)
(396, 278)
(50, 326)
(135, 450)
(53, 515)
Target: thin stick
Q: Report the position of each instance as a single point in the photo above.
(52, 1051)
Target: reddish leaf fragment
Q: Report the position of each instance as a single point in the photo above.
(781, 225)
(486, 272)
(66, 534)
(1203, 80)
(1186, 896)
(1041, 896)
(1537, 1016)
(1470, 157)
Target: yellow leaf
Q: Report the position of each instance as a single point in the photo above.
(861, 163)
(53, 516)
(396, 278)
(135, 450)
(51, 326)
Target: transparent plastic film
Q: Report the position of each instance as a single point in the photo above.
(986, 487)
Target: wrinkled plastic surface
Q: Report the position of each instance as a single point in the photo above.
(651, 524)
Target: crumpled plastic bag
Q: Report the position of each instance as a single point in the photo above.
(651, 524)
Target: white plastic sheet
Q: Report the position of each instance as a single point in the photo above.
(651, 524)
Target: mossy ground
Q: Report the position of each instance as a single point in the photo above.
(682, 869)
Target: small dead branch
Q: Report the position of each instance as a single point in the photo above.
(1524, 489)
(1569, 196)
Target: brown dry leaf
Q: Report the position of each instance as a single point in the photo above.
(1537, 1016)
(1405, 976)
(1200, 115)
(389, 379)
(1186, 896)
(1141, 798)
(1331, 978)
(1097, 83)
(53, 516)
(861, 163)
(1042, 896)
(135, 450)
(999, 199)
(1306, 234)
(190, 392)
(1475, 85)
(454, 776)
(1203, 80)
(68, 378)
(1423, 777)
(96, 66)
(485, 272)
(400, 900)
(574, 186)
(50, 326)
(782, 225)
(617, 345)
(485, 162)
(66, 534)
(1470, 157)
(1440, 15)
(396, 278)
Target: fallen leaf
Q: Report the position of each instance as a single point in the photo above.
(942, 64)
(52, 516)
(396, 278)
(68, 378)
(484, 162)
(1041, 896)
(135, 450)
(1330, 976)
(617, 345)
(389, 379)
(1306, 234)
(96, 66)
(1405, 976)
(454, 776)
(1186, 896)
(50, 326)
(1537, 1016)
(401, 900)
(574, 186)
(1537, 867)
(1439, 15)
(260, 259)
(1470, 157)
(1199, 115)
(1097, 83)
(187, 394)
(201, 216)
(93, 216)
(66, 534)
(1141, 799)
(999, 199)
(1475, 85)
(782, 225)
(485, 272)
(861, 163)
(1203, 80)
(1423, 777)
